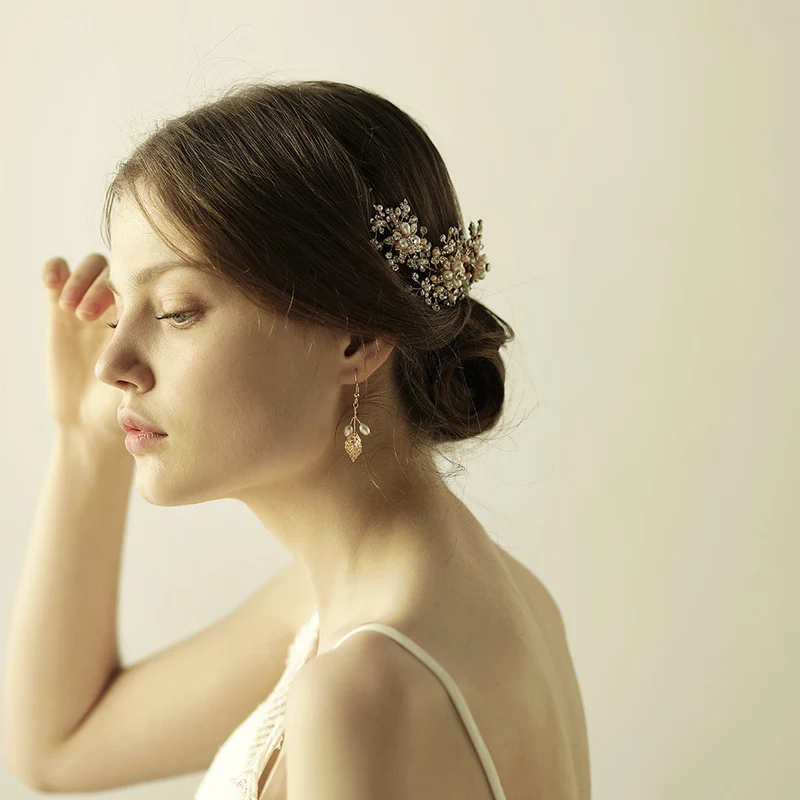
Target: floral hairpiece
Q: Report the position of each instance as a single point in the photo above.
(452, 268)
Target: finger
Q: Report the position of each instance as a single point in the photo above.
(54, 273)
(97, 299)
(80, 280)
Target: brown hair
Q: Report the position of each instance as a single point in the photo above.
(274, 186)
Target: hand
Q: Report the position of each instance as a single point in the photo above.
(79, 306)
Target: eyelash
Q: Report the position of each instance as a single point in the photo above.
(167, 316)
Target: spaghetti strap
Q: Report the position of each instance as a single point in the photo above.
(452, 689)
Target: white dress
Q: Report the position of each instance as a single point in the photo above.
(237, 766)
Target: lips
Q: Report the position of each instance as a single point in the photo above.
(129, 421)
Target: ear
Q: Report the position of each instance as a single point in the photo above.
(364, 355)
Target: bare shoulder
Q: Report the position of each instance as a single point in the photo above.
(363, 664)
(346, 714)
(366, 677)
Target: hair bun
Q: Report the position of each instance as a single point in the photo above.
(465, 379)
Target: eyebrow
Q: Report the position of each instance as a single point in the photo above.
(148, 275)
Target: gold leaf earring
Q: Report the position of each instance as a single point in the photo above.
(352, 442)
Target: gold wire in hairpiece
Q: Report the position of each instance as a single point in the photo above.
(452, 269)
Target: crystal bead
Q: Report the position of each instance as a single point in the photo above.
(348, 430)
(364, 429)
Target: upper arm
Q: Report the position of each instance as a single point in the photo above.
(168, 714)
(346, 720)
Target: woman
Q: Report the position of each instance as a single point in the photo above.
(290, 288)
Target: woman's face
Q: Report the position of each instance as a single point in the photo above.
(245, 398)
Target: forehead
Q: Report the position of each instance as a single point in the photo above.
(140, 251)
(135, 240)
(147, 275)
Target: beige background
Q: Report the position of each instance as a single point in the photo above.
(636, 167)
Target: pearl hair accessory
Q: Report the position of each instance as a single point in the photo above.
(452, 269)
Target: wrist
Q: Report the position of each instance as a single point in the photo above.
(96, 448)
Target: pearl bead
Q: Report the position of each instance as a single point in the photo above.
(364, 429)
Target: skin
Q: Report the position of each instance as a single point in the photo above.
(251, 404)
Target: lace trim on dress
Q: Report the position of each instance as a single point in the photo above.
(271, 727)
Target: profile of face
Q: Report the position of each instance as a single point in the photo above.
(247, 399)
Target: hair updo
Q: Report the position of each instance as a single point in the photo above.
(274, 186)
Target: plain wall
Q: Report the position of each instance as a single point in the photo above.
(636, 168)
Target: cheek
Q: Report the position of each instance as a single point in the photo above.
(256, 402)
(265, 437)
(247, 400)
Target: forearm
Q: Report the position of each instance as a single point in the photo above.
(62, 649)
